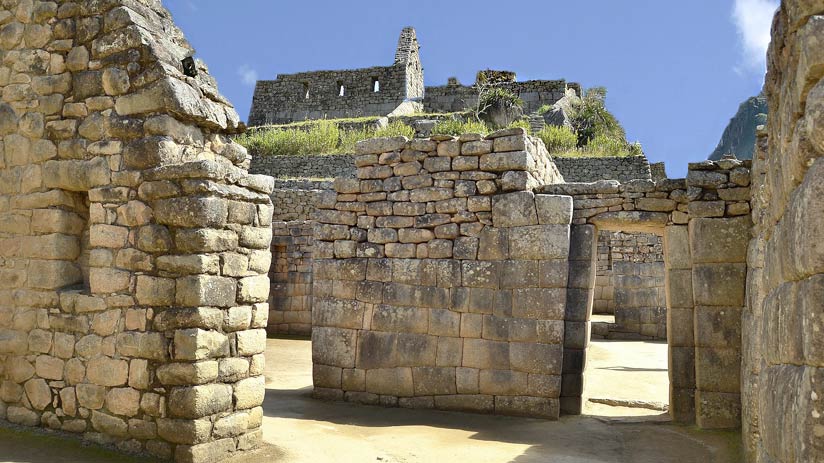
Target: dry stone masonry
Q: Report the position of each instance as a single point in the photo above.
(449, 273)
(134, 246)
(394, 90)
(705, 223)
(375, 91)
(290, 302)
(783, 349)
(439, 277)
(630, 285)
(592, 169)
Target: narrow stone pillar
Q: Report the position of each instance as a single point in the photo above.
(580, 293)
(680, 338)
(718, 248)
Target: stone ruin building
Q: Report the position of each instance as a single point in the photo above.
(134, 245)
(383, 90)
(456, 273)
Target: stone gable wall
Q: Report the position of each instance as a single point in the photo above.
(134, 245)
(317, 95)
(440, 278)
(783, 350)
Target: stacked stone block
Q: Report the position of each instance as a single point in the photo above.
(783, 354)
(440, 278)
(290, 301)
(134, 245)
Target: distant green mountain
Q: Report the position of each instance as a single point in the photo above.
(739, 136)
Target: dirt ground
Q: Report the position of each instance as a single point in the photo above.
(301, 429)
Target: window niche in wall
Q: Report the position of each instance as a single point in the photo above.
(341, 89)
(306, 90)
(376, 85)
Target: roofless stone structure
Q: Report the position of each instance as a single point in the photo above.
(453, 273)
(133, 243)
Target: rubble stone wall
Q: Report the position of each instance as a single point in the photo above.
(455, 97)
(440, 278)
(134, 245)
(585, 170)
(783, 350)
(308, 166)
(706, 227)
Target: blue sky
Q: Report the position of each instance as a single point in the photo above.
(675, 71)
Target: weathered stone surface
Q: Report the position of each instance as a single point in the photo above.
(200, 401)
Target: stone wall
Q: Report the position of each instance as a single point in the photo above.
(455, 97)
(290, 301)
(375, 91)
(586, 170)
(630, 284)
(705, 223)
(783, 361)
(304, 167)
(134, 246)
(439, 277)
(296, 199)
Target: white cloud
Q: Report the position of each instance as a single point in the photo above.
(753, 19)
(247, 75)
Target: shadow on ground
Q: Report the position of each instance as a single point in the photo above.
(573, 439)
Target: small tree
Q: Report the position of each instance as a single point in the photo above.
(590, 118)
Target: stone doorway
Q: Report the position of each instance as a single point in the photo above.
(705, 227)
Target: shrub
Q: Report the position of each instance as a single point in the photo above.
(590, 118)
(558, 139)
(522, 123)
(544, 109)
(458, 127)
(498, 97)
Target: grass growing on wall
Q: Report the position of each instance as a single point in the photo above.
(323, 137)
(457, 127)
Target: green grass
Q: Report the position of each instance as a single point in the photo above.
(457, 127)
(303, 124)
(558, 139)
(602, 146)
(323, 137)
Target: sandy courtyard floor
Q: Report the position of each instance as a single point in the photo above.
(301, 429)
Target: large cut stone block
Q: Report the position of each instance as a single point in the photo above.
(206, 290)
(200, 401)
(390, 381)
(190, 212)
(334, 346)
(539, 242)
(719, 284)
(514, 209)
(719, 240)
